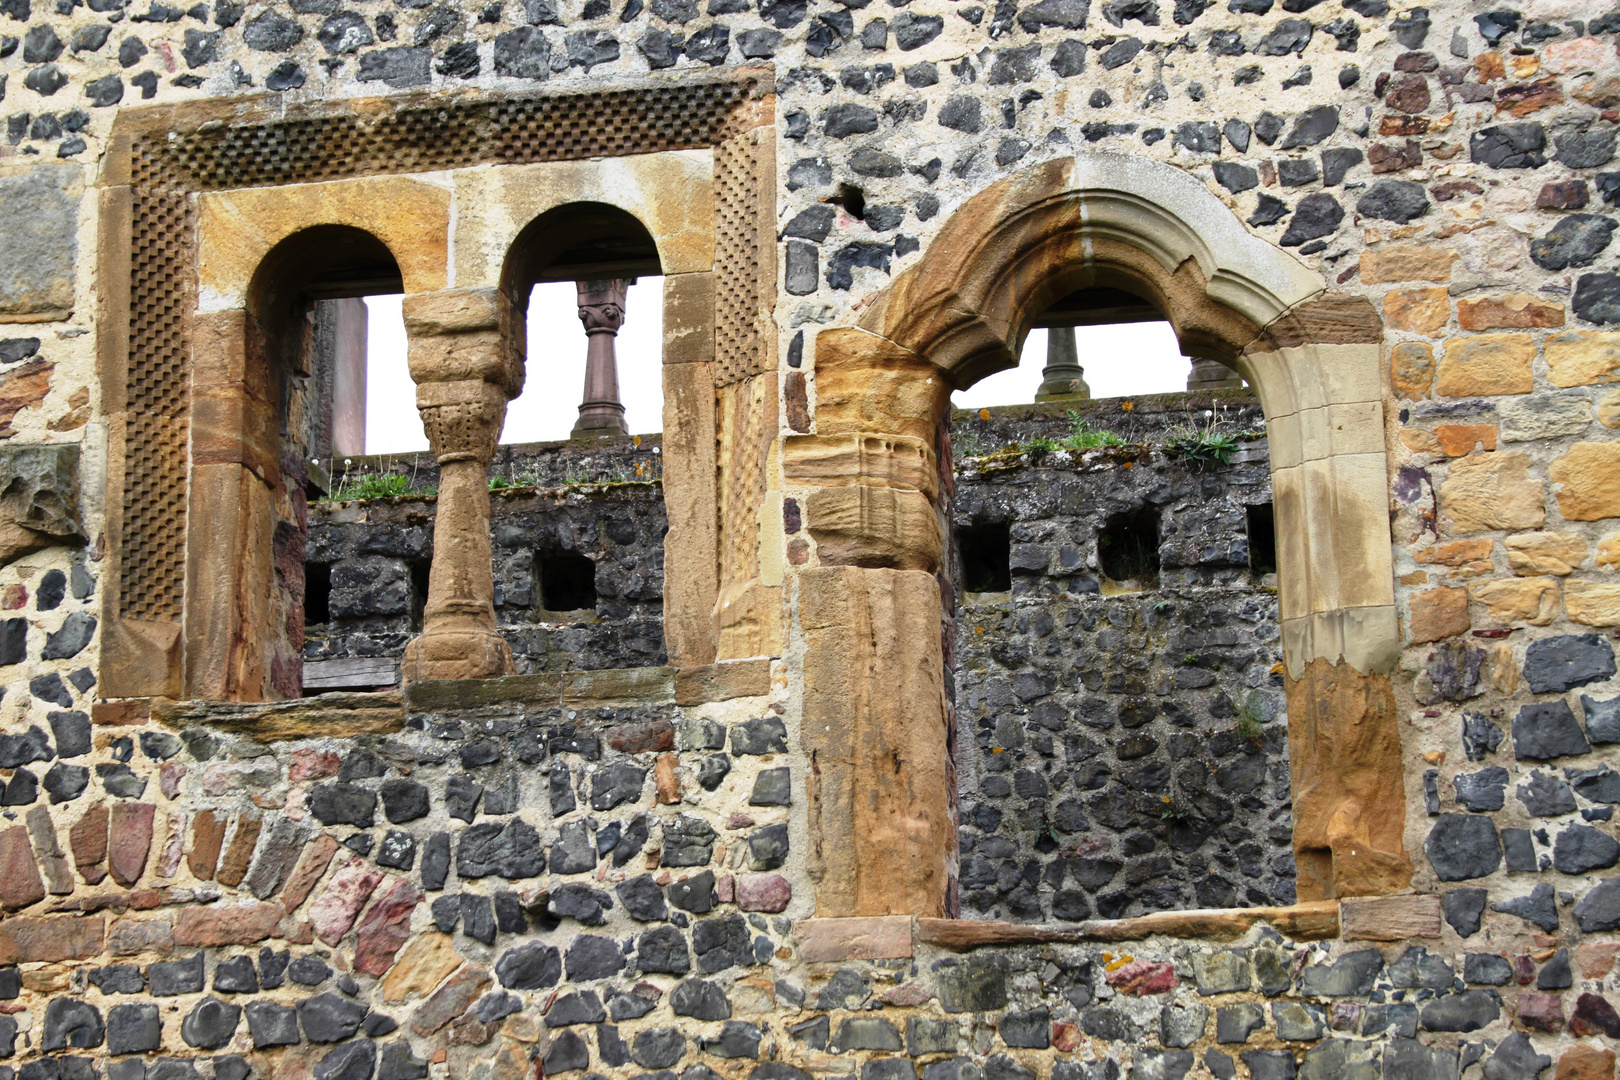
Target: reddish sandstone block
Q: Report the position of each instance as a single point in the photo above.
(221, 924)
(131, 825)
(1511, 311)
(308, 873)
(385, 928)
(88, 838)
(450, 1000)
(50, 938)
(207, 835)
(1541, 1012)
(234, 866)
(339, 904)
(20, 883)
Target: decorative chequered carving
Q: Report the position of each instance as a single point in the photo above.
(152, 570)
(738, 304)
(419, 135)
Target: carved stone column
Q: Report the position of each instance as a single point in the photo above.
(1063, 377)
(601, 309)
(464, 377)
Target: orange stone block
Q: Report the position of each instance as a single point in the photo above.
(1455, 554)
(1437, 614)
(1585, 1062)
(1459, 439)
(1422, 311)
(1411, 368)
(1510, 311)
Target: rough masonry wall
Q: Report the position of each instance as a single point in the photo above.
(1118, 752)
(1451, 163)
(602, 502)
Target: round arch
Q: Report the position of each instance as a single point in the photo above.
(1106, 219)
(579, 241)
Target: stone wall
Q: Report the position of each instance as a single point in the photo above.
(585, 876)
(1121, 748)
(602, 502)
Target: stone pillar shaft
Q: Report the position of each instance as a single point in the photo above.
(464, 377)
(876, 722)
(1063, 377)
(601, 310)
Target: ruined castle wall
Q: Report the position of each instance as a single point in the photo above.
(1452, 166)
(603, 503)
(1121, 748)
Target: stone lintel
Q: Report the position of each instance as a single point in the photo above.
(328, 716)
(878, 937)
(611, 686)
(1314, 921)
(1389, 918)
(723, 681)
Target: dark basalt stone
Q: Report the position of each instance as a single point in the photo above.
(1539, 907)
(533, 966)
(1394, 200)
(1463, 846)
(591, 957)
(699, 999)
(1544, 730)
(1509, 146)
(328, 1018)
(70, 1022)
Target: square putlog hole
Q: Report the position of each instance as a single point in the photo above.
(986, 554)
(567, 583)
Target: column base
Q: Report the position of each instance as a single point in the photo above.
(1069, 390)
(597, 430)
(456, 654)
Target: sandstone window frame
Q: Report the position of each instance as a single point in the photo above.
(961, 312)
(376, 164)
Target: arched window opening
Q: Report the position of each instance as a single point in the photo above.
(307, 362)
(576, 512)
(1101, 341)
(582, 263)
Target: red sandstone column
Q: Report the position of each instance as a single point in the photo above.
(601, 309)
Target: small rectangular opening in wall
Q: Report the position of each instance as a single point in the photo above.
(317, 593)
(1128, 547)
(567, 583)
(419, 569)
(1262, 539)
(986, 554)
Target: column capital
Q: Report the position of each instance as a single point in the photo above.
(462, 418)
(601, 304)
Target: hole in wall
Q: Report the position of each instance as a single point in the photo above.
(986, 554)
(567, 583)
(1262, 539)
(852, 199)
(418, 569)
(1128, 548)
(317, 594)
